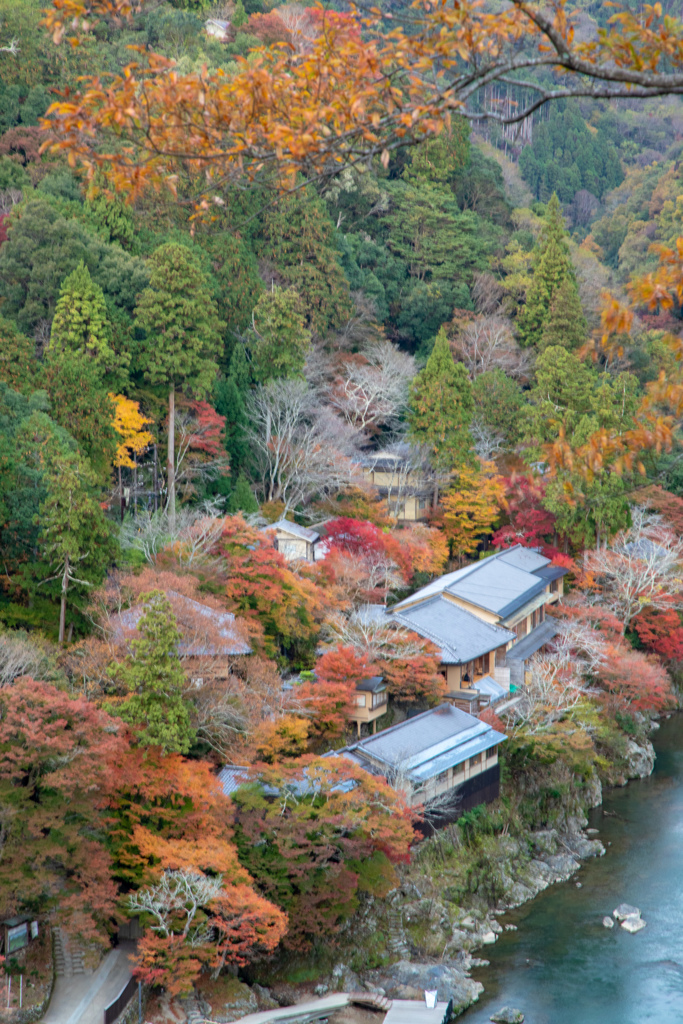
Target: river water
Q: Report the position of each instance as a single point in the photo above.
(562, 966)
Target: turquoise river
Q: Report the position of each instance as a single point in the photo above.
(562, 966)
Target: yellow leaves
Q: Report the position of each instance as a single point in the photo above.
(129, 424)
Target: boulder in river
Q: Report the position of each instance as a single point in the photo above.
(607, 922)
(625, 910)
(632, 924)
(406, 980)
(507, 1015)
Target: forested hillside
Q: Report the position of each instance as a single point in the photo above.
(185, 363)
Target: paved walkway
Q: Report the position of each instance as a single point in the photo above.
(81, 998)
(329, 1003)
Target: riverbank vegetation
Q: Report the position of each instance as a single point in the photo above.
(181, 369)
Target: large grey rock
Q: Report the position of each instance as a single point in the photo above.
(344, 979)
(625, 910)
(633, 923)
(577, 844)
(563, 866)
(507, 1015)
(544, 841)
(640, 759)
(405, 980)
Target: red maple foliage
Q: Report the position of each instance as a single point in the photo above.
(209, 431)
(660, 632)
(635, 681)
(530, 524)
(56, 752)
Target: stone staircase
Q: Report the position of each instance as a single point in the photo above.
(67, 962)
(396, 938)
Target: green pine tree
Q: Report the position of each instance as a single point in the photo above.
(81, 323)
(155, 676)
(76, 542)
(278, 340)
(80, 403)
(239, 15)
(441, 407)
(235, 271)
(182, 335)
(242, 498)
(565, 324)
(19, 367)
(297, 238)
(111, 214)
(552, 267)
(229, 402)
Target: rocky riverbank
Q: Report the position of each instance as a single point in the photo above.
(451, 901)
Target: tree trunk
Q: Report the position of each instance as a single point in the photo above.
(435, 494)
(121, 505)
(170, 465)
(156, 481)
(62, 609)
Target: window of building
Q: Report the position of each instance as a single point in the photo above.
(491, 753)
(541, 614)
(360, 700)
(441, 778)
(475, 760)
(378, 699)
(520, 629)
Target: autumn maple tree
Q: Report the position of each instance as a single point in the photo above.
(471, 507)
(301, 839)
(54, 775)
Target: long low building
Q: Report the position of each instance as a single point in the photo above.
(444, 757)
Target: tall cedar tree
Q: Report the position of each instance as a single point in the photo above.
(79, 402)
(565, 324)
(441, 407)
(298, 240)
(80, 322)
(182, 335)
(19, 367)
(75, 538)
(278, 339)
(552, 267)
(155, 676)
(235, 270)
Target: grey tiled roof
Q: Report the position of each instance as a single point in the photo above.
(232, 777)
(459, 634)
(373, 685)
(533, 641)
(423, 746)
(551, 572)
(285, 526)
(528, 559)
(494, 584)
(224, 622)
(488, 686)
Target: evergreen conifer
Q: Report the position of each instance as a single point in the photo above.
(298, 239)
(155, 676)
(552, 268)
(565, 324)
(242, 498)
(81, 323)
(441, 407)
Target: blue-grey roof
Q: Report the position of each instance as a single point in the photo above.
(232, 777)
(529, 559)
(375, 684)
(426, 745)
(551, 572)
(498, 587)
(533, 641)
(495, 584)
(488, 686)
(459, 634)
